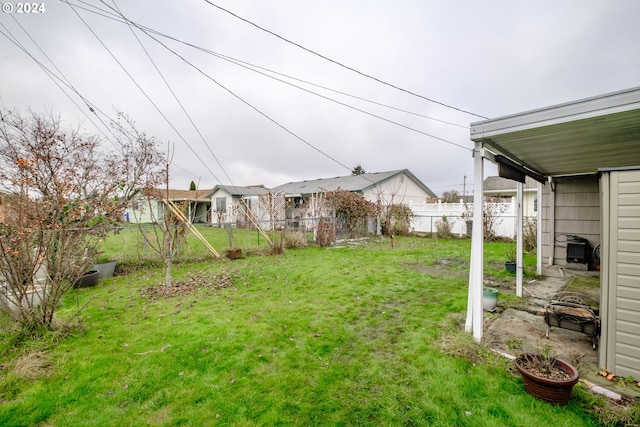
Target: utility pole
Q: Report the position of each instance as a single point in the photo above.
(464, 189)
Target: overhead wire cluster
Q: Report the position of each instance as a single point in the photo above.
(113, 12)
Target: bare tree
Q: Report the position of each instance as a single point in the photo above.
(64, 191)
(168, 226)
(274, 205)
(451, 196)
(394, 215)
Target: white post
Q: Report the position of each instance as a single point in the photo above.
(513, 213)
(476, 273)
(539, 231)
(461, 210)
(519, 241)
(551, 215)
(468, 324)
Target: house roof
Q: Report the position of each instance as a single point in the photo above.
(353, 183)
(181, 195)
(235, 190)
(494, 184)
(573, 138)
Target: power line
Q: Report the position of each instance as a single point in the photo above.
(242, 99)
(369, 113)
(256, 68)
(58, 81)
(175, 97)
(143, 91)
(118, 18)
(210, 78)
(242, 63)
(250, 66)
(115, 17)
(340, 64)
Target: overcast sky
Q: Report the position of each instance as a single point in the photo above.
(242, 106)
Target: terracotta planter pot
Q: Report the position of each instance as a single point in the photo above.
(234, 253)
(549, 390)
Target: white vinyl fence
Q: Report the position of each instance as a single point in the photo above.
(504, 216)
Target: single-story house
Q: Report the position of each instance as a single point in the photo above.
(502, 189)
(585, 156)
(392, 187)
(232, 204)
(150, 207)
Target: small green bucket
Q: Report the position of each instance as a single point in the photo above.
(489, 299)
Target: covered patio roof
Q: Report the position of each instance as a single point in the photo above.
(573, 138)
(569, 139)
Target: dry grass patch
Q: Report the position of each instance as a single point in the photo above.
(32, 365)
(194, 280)
(454, 341)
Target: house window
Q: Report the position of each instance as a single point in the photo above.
(535, 203)
(221, 204)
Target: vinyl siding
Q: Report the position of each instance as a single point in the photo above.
(574, 209)
(623, 272)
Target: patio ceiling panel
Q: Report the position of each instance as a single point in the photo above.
(569, 139)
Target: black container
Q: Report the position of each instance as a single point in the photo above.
(88, 279)
(578, 250)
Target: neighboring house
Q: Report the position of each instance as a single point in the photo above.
(302, 200)
(232, 204)
(150, 207)
(394, 187)
(586, 156)
(504, 190)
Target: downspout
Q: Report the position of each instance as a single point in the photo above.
(539, 231)
(552, 220)
(607, 279)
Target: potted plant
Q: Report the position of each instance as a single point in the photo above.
(234, 253)
(547, 377)
(510, 264)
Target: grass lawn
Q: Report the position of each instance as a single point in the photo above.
(349, 336)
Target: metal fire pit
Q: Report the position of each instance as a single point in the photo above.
(570, 312)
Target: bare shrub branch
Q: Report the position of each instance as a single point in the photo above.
(64, 191)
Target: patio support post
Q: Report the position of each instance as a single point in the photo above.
(519, 240)
(552, 221)
(476, 272)
(539, 231)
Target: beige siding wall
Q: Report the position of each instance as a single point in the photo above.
(400, 189)
(621, 274)
(573, 208)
